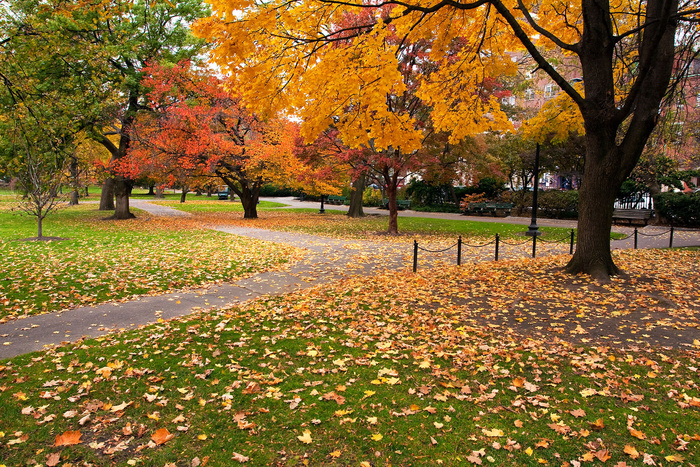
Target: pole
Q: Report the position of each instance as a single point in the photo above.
(534, 245)
(415, 255)
(636, 237)
(532, 230)
(498, 239)
(670, 239)
(571, 243)
(321, 211)
(459, 251)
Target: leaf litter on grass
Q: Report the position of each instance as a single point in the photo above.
(398, 368)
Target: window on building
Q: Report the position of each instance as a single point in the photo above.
(529, 94)
(550, 90)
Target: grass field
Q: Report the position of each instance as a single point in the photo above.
(434, 369)
(100, 260)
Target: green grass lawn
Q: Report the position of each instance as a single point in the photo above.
(101, 260)
(397, 369)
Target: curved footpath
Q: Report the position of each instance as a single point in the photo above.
(328, 260)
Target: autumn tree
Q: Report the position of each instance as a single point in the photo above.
(111, 41)
(627, 54)
(194, 128)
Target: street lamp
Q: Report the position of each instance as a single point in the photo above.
(321, 211)
(532, 230)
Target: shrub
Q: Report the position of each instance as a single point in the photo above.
(678, 208)
(371, 197)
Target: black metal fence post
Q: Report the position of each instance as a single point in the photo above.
(534, 245)
(670, 239)
(415, 255)
(498, 239)
(459, 251)
(636, 237)
(571, 243)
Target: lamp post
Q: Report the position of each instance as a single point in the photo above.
(321, 211)
(532, 230)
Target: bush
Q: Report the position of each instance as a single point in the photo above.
(678, 208)
(552, 204)
(271, 190)
(371, 197)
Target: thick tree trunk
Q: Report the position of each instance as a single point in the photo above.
(122, 190)
(40, 227)
(249, 200)
(183, 195)
(107, 198)
(160, 193)
(596, 201)
(358, 187)
(74, 196)
(151, 188)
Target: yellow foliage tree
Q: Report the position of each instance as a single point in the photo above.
(333, 61)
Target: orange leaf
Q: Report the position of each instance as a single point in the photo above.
(602, 455)
(161, 436)
(68, 438)
(631, 451)
(637, 434)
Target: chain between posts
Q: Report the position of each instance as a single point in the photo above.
(497, 243)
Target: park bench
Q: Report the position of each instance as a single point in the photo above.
(493, 209)
(400, 203)
(633, 215)
(339, 200)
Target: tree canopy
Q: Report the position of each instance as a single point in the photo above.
(309, 58)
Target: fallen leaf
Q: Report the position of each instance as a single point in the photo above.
(68, 438)
(305, 437)
(161, 436)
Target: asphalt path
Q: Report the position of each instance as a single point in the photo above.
(327, 260)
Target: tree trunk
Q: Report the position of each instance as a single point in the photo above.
(596, 202)
(74, 196)
(390, 184)
(358, 187)
(183, 195)
(40, 227)
(249, 200)
(151, 188)
(107, 198)
(122, 190)
(159, 193)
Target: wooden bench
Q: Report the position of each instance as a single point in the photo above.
(493, 209)
(400, 203)
(633, 215)
(339, 200)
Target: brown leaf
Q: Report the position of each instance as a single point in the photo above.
(578, 413)
(68, 438)
(240, 458)
(602, 455)
(53, 459)
(637, 434)
(162, 436)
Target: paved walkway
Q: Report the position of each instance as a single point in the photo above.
(328, 260)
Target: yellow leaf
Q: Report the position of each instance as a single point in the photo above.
(377, 437)
(305, 437)
(335, 454)
(494, 432)
(529, 451)
(674, 458)
(202, 437)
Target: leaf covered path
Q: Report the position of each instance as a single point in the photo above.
(328, 260)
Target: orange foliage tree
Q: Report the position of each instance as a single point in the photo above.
(197, 129)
